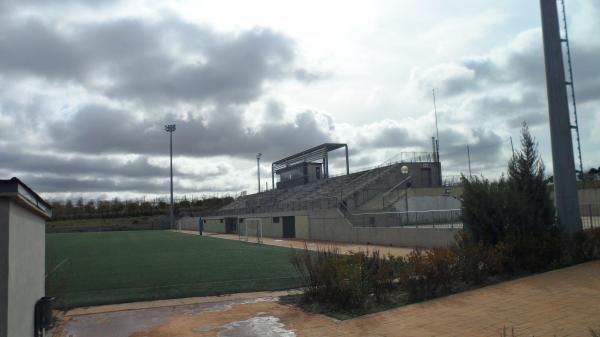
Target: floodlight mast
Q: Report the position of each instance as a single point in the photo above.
(563, 163)
(170, 129)
(258, 169)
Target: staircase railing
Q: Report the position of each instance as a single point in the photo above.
(446, 218)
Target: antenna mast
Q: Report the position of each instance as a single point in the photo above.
(437, 133)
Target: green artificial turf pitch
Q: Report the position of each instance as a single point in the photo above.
(87, 269)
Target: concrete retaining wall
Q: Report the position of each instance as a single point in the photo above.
(302, 227)
(330, 225)
(214, 225)
(269, 226)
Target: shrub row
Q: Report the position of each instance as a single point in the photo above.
(355, 280)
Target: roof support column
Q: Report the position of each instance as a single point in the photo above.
(347, 163)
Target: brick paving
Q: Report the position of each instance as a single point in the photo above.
(565, 302)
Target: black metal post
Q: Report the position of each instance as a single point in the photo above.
(172, 217)
(347, 163)
(258, 171)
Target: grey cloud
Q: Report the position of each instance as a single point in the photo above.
(150, 62)
(36, 49)
(586, 68)
(230, 71)
(308, 76)
(521, 64)
(43, 3)
(58, 165)
(275, 110)
(392, 137)
(97, 129)
(527, 106)
(485, 148)
(48, 184)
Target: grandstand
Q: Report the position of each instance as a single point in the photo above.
(367, 206)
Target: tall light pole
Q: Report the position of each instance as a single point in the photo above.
(258, 169)
(563, 163)
(170, 129)
(404, 170)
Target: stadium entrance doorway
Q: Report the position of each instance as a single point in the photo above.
(289, 227)
(230, 225)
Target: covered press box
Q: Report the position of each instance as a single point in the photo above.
(23, 215)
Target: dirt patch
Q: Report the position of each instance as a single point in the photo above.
(315, 245)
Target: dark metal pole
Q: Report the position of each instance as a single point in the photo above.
(258, 172)
(347, 163)
(171, 150)
(565, 188)
(469, 157)
(437, 132)
(272, 177)
(406, 202)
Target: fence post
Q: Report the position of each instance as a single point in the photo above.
(590, 215)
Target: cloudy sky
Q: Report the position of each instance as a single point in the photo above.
(87, 86)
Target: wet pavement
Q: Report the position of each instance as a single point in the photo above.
(564, 302)
(146, 322)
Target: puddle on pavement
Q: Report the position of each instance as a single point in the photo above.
(124, 323)
(259, 326)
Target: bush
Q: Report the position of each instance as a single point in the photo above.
(582, 246)
(430, 273)
(485, 209)
(356, 280)
(346, 281)
(477, 261)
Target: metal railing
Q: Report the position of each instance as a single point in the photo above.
(452, 180)
(590, 215)
(450, 218)
(362, 185)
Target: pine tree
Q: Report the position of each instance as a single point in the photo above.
(531, 205)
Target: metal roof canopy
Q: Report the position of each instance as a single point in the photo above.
(315, 153)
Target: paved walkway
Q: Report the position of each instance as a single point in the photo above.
(559, 303)
(314, 245)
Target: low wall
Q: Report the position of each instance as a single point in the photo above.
(269, 227)
(210, 225)
(330, 225)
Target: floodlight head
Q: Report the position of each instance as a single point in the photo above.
(170, 128)
(258, 155)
